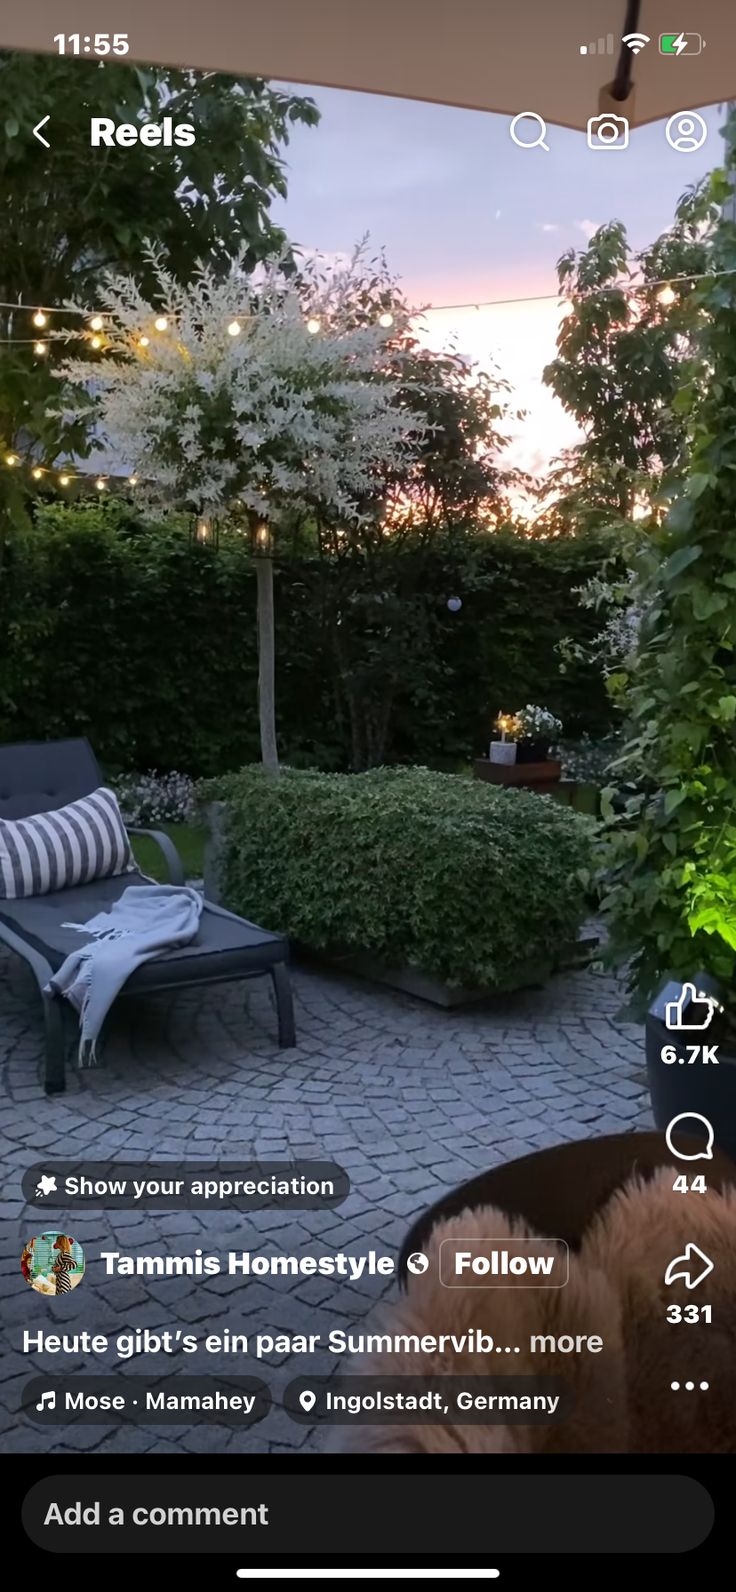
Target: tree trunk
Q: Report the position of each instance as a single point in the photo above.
(266, 663)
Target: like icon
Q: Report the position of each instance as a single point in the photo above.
(690, 1011)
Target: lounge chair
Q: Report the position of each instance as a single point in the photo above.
(42, 776)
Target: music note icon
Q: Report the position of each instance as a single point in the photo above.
(47, 1401)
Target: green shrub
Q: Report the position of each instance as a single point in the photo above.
(112, 626)
(469, 883)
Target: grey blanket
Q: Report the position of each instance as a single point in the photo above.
(147, 921)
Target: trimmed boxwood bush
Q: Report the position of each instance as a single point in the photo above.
(471, 884)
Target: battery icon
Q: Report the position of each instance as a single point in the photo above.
(681, 43)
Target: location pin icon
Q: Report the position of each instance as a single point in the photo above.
(307, 1400)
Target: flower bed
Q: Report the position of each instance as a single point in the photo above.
(467, 883)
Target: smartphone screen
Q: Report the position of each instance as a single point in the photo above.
(367, 776)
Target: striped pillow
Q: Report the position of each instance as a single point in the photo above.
(51, 851)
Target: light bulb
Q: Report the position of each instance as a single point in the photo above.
(313, 324)
(40, 348)
(63, 480)
(96, 342)
(161, 323)
(100, 484)
(386, 319)
(37, 474)
(234, 329)
(11, 459)
(96, 323)
(666, 295)
(132, 480)
(143, 341)
(39, 318)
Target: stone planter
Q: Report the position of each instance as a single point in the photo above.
(682, 1086)
(213, 816)
(502, 752)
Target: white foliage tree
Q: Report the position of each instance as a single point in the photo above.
(257, 390)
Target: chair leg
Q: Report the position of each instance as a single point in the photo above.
(54, 1073)
(284, 1004)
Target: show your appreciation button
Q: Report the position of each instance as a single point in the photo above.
(504, 1263)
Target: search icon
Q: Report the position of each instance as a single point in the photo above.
(537, 142)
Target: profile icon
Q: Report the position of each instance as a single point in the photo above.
(686, 132)
(52, 1263)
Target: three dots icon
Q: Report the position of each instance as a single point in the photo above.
(689, 1387)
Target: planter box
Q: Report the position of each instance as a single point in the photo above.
(412, 981)
(425, 987)
(541, 777)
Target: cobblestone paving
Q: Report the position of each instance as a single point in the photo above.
(409, 1099)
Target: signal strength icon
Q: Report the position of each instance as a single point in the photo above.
(636, 41)
(604, 46)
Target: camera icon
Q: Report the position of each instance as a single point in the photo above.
(608, 132)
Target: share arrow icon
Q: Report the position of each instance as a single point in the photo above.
(686, 1267)
(38, 134)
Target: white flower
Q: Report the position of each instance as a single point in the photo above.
(537, 724)
(205, 418)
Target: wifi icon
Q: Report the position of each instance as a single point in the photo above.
(636, 41)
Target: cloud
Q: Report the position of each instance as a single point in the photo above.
(548, 226)
(588, 228)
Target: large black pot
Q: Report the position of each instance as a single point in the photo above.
(532, 751)
(682, 1085)
(558, 1191)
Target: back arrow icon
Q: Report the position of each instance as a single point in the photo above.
(684, 1266)
(39, 135)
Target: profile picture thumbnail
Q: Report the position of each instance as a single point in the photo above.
(52, 1263)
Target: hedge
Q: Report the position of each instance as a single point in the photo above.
(114, 627)
(469, 883)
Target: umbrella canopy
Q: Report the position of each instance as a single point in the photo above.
(483, 54)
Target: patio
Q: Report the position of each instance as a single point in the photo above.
(409, 1099)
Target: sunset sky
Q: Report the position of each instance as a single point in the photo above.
(465, 215)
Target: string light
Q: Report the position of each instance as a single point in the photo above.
(64, 480)
(40, 348)
(96, 323)
(386, 319)
(161, 323)
(37, 474)
(100, 484)
(95, 342)
(11, 459)
(132, 480)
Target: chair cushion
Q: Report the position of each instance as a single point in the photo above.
(71, 845)
(225, 946)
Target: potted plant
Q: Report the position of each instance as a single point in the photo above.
(503, 750)
(537, 728)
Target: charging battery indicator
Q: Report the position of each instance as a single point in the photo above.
(681, 43)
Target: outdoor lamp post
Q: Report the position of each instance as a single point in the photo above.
(204, 531)
(261, 538)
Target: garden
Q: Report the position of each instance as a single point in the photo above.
(447, 751)
(305, 553)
